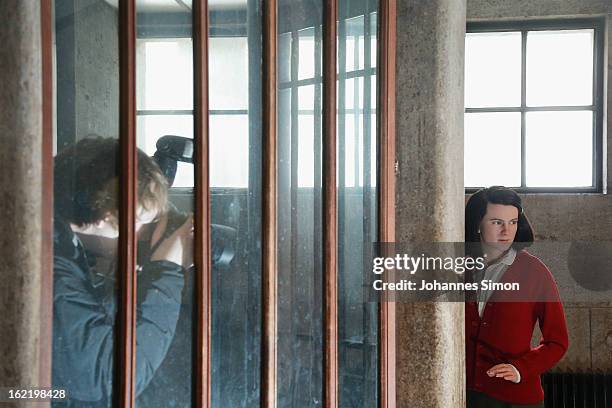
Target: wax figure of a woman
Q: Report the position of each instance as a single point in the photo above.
(502, 369)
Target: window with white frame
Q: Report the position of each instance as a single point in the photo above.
(533, 107)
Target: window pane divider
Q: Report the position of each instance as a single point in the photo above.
(342, 75)
(202, 234)
(386, 190)
(568, 108)
(125, 340)
(46, 304)
(145, 112)
(269, 338)
(330, 210)
(153, 112)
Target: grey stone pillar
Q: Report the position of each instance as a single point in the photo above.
(430, 195)
(20, 190)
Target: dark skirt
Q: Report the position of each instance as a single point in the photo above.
(477, 399)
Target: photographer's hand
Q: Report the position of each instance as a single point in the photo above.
(178, 247)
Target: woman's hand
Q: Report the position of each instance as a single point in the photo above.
(506, 371)
(178, 247)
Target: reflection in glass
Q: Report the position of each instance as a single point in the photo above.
(354, 49)
(560, 68)
(492, 69)
(164, 95)
(229, 140)
(570, 134)
(230, 65)
(300, 357)
(165, 71)
(492, 149)
(235, 77)
(306, 53)
(357, 202)
(151, 126)
(85, 201)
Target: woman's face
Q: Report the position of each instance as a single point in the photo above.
(498, 226)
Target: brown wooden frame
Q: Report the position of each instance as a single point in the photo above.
(126, 328)
(330, 208)
(202, 243)
(46, 284)
(386, 208)
(269, 281)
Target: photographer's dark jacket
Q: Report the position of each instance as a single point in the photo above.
(84, 321)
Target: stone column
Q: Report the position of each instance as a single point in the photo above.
(430, 193)
(20, 190)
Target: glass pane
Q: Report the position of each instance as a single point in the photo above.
(357, 205)
(300, 354)
(492, 69)
(151, 127)
(492, 149)
(229, 138)
(231, 64)
(235, 36)
(165, 70)
(85, 201)
(306, 97)
(284, 54)
(373, 41)
(306, 47)
(354, 37)
(164, 339)
(559, 149)
(306, 151)
(560, 68)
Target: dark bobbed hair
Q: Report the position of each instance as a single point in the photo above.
(476, 208)
(86, 182)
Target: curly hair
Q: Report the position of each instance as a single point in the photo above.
(86, 182)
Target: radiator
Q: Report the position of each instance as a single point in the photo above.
(571, 390)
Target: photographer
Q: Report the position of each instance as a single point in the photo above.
(85, 246)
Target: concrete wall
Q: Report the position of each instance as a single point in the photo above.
(571, 217)
(21, 193)
(429, 89)
(97, 74)
(87, 50)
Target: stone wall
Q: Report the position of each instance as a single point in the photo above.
(429, 127)
(21, 192)
(87, 47)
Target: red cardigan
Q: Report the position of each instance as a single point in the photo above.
(503, 334)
